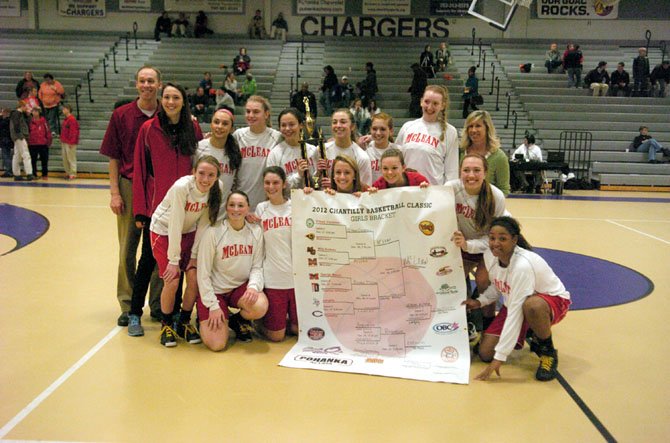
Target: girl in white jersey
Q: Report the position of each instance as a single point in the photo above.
(534, 298)
(287, 154)
(189, 206)
(255, 141)
(378, 141)
(275, 216)
(223, 146)
(230, 273)
(430, 144)
(343, 127)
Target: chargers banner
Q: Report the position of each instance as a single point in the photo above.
(577, 9)
(379, 285)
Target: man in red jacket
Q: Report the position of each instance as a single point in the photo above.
(119, 145)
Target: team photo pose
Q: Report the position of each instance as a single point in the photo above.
(275, 218)
(429, 143)
(288, 155)
(343, 129)
(223, 146)
(190, 205)
(534, 297)
(395, 173)
(230, 274)
(255, 141)
(479, 137)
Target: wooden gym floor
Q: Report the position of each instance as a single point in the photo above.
(68, 373)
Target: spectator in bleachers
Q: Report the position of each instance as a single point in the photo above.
(427, 62)
(19, 131)
(369, 84)
(51, 93)
(419, 84)
(24, 85)
(200, 105)
(180, 26)
(69, 139)
(470, 91)
(372, 108)
(256, 26)
(248, 87)
(620, 81)
(361, 116)
(442, 57)
(39, 142)
(640, 73)
(298, 100)
(279, 28)
(552, 59)
(206, 82)
(598, 80)
(241, 62)
(33, 101)
(201, 22)
(329, 86)
(479, 137)
(6, 144)
(230, 86)
(163, 25)
(346, 93)
(646, 143)
(223, 98)
(660, 77)
(572, 64)
(531, 153)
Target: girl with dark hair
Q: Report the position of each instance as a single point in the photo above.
(395, 173)
(223, 146)
(230, 273)
(275, 217)
(178, 222)
(430, 143)
(288, 155)
(255, 141)
(534, 298)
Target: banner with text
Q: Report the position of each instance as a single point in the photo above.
(135, 5)
(10, 8)
(576, 9)
(82, 8)
(453, 8)
(366, 26)
(387, 7)
(304, 7)
(379, 285)
(229, 6)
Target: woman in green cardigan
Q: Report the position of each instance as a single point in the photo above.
(479, 137)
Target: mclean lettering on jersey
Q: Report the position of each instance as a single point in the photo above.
(292, 165)
(195, 206)
(226, 169)
(423, 138)
(466, 210)
(254, 151)
(235, 250)
(276, 222)
(502, 286)
(375, 165)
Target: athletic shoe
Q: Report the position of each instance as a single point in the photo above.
(30, 177)
(168, 337)
(19, 178)
(7, 175)
(135, 328)
(188, 333)
(242, 328)
(123, 319)
(548, 364)
(474, 335)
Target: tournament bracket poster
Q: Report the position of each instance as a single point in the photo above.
(379, 285)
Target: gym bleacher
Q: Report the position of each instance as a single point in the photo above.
(540, 103)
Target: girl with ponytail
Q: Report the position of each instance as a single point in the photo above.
(534, 298)
(190, 205)
(430, 144)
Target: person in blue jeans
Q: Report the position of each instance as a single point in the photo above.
(645, 143)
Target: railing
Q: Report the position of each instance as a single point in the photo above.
(497, 94)
(509, 101)
(88, 79)
(484, 66)
(577, 146)
(135, 34)
(493, 76)
(479, 57)
(516, 116)
(76, 98)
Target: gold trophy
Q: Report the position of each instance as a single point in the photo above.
(309, 127)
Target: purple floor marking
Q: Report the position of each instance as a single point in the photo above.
(23, 225)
